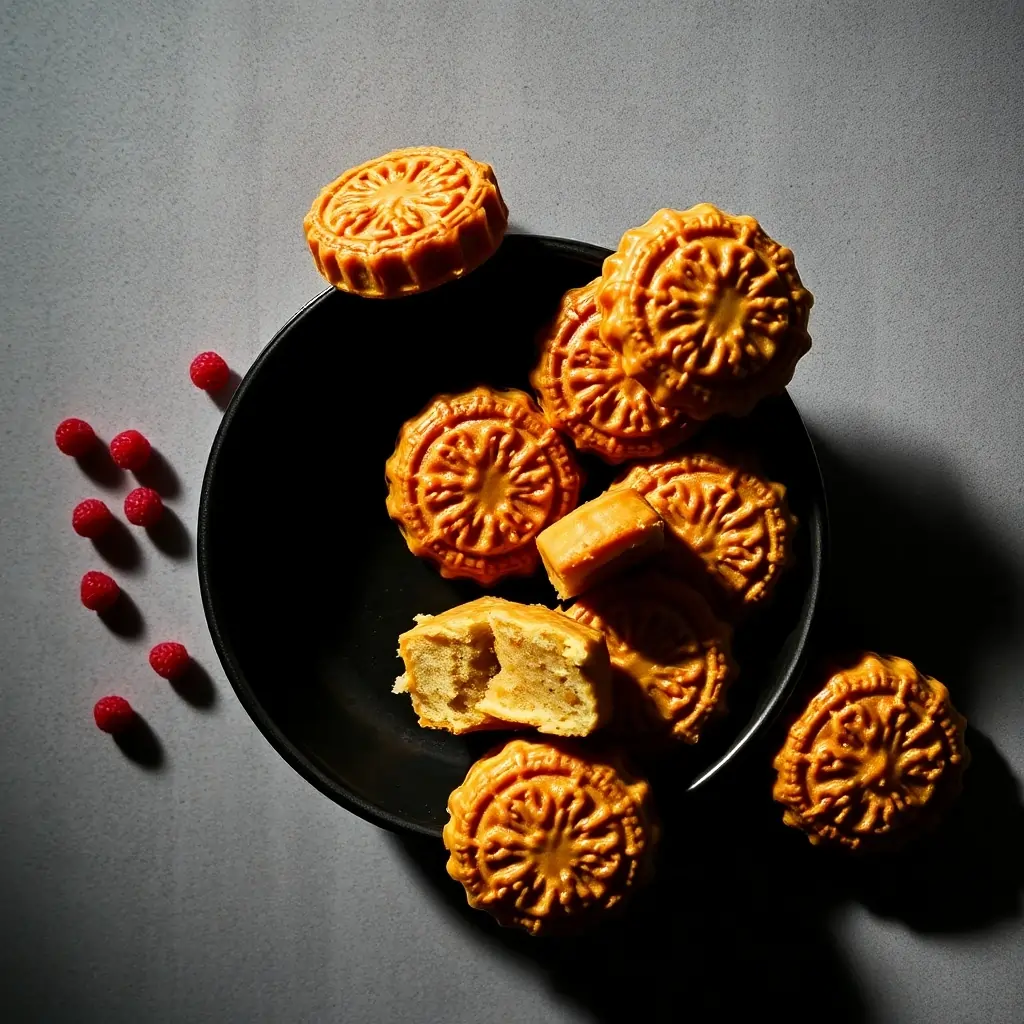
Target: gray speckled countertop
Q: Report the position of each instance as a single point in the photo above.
(155, 163)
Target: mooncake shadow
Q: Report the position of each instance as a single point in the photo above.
(968, 874)
(913, 571)
(733, 922)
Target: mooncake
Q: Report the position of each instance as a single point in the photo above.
(405, 222)
(671, 660)
(584, 391)
(549, 838)
(874, 758)
(473, 480)
(600, 539)
(733, 528)
(708, 312)
(493, 664)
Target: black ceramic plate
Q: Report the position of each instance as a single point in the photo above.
(307, 583)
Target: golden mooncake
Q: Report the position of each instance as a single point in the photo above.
(874, 758)
(473, 480)
(734, 528)
(585, 392)
(405, 222)
(671, 660)
(598, 540)
(708, 312)
(495, 664)
(548, 838)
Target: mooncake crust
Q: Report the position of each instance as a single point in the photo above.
(546, 838)
(671, 656)
(584, 390)
(406, 222)
(474, 478)
(733, 526)
(874, 758)
(708, 311)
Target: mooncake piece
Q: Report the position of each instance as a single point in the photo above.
(554, 673)
(449, 663)
(733, 528)
(585, 392)
(549, 838)
(875, 757)
(599, 539)
(408, 221)
(671, 657)
(708, 312)
(496, 664)
(474, 479)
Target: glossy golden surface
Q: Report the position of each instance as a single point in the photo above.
(734, 527)
(585, 392)
(671, 660)
(708, 312)
(545, 838)
(876, 755)
(405, 222)
(473, 480)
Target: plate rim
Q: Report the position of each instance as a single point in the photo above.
(304, 765)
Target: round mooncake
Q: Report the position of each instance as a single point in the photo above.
(546, 838)
(734, 527)
(406, 222)
(708, 311)
(584, 391)
(473, 480)
(875, 757)
(670, 655)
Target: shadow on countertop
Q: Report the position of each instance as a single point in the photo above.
(737, 921)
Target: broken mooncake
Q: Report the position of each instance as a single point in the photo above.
(734, 528)
(671, 660)
(473, 480)
(600, 539)
(585, 392)
(491, 663)
(405, 222)
(875, 757)
(548, 838)
(708, 312)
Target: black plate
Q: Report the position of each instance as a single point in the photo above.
(307, 583)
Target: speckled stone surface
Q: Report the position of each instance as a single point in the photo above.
(156, 160)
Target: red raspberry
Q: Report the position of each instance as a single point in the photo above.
(209, 371)
(99, 591)
(91, 518)
(113, 714)
(169, 659)
(130, 450)
(75, 437)
(143, 507)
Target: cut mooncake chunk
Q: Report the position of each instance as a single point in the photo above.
(474, 478)
(708, 312)
(555, 674)
(876, 757)
(549, 838)
(616, 530)
(449, 663)
(496, 664)
(405, 222)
